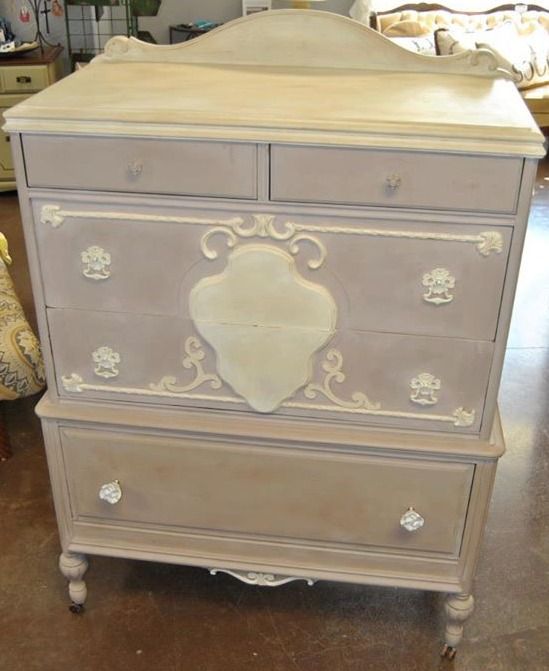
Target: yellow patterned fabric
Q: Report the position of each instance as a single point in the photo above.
(21, 367)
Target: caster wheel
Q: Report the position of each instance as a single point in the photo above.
(448, 652)
(76, 608)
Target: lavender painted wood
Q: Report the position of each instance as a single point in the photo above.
(219, 169)
(378, 281)
(382, 366)
(394, 179)
(282, 494)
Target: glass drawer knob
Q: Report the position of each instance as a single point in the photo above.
(393, 182)
(111, 492)
(411, 520)
(135, 168)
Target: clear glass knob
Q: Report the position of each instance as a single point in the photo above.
(135, 168)
(412, 520)
(111, 492)
(393, 181)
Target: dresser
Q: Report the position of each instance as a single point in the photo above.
(21, 76)
(273, 289)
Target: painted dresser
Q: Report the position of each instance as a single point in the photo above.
(274, 288)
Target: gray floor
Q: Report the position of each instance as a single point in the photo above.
(144, 616)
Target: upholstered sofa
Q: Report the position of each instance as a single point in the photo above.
(421, 27)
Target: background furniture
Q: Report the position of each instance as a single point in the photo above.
(275, 352)
(21, 76)
(21, 366)
(436, 16)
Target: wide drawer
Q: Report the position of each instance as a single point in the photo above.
(24, 79)
(215, 169)
(407, 382)
(394, 178)
(285, 495)
(424, 278)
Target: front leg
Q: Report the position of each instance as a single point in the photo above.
(458, 607)
(73, 566)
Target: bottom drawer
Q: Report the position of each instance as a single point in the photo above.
(274, 494)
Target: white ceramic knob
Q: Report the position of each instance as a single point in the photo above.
(412, 520)
(393, 181)
(111, 492)
(135, 168)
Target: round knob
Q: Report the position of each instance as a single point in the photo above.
(412, 520)
(393, 181)
(111, 492)
(135, 168)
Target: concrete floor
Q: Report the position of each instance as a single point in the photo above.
(144, 616)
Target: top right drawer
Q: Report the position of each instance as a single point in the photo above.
(395, 179)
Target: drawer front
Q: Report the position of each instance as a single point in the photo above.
(407, 382)
(267, 492)
(394, 179)
(216, 169)
(422, 278)
(24, 79)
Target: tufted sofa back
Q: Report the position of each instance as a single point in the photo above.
(441, 18)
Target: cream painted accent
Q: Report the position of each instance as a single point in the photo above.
(96, 263)
(424, 388)
(292, 39)
(265, 322)
(52, 215)
(332, 366)
(74, 383)
(194, 358)
(464, 417)
(261, 579)
(106, 362)
(263, 226)
(491, 242)
(412, 520)
(438, 282)
(472, 114)
(55, 216)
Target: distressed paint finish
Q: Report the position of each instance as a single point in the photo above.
(326, 486)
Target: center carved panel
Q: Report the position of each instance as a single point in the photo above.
(265, 322)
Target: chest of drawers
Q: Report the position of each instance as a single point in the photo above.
(274, 328)
(20, 77)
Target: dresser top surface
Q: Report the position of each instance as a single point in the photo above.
(218, 88)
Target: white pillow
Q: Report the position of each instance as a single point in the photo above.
(421, 45)
(525, 56)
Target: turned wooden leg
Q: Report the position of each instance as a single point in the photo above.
(458, 607)
(73, 566)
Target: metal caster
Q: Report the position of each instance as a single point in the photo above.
(76, 608)
(448, 652)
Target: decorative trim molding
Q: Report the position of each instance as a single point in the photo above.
(269, 38)
(106, 362)
(194, 358)
(55, 216)
(424, 388)
(263, 226)
(438, 283)
(261, 579)
(333, 368)
(96, 263)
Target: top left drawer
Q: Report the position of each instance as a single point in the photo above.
(192, 168)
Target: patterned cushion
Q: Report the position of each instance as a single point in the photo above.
(526, 56)
(21, 367)
(421, 45)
